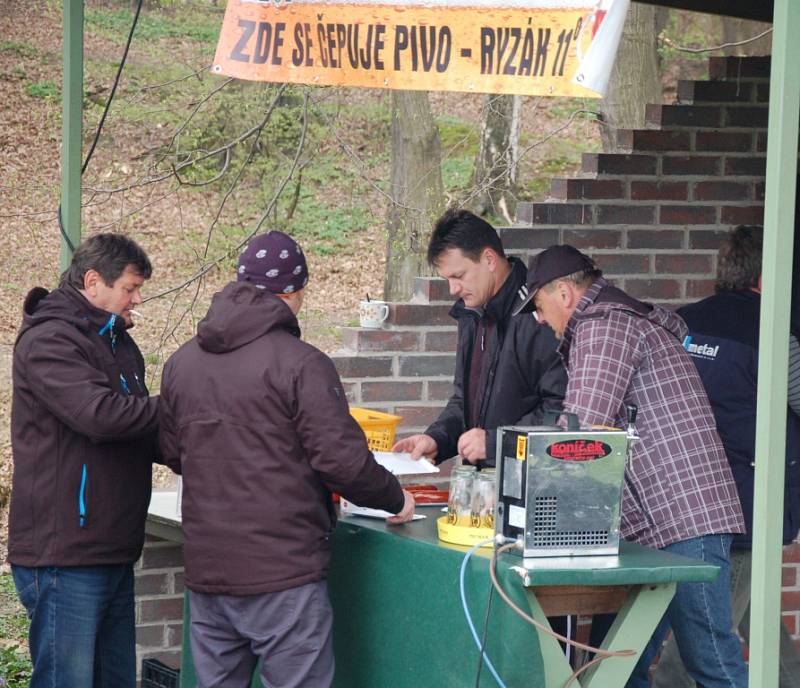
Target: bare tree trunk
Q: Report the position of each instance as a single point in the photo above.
(495, 175)
(736, 30)
(416, 189)
(635, 78)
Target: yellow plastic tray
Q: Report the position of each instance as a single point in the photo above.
(462, 533)
(379, 427)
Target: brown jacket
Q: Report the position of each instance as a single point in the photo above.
(83, 433)
(257, 422)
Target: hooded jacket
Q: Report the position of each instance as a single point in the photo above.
(83, 434)
(723, 343)
(618, 351)
(524, 378)
(257, 422)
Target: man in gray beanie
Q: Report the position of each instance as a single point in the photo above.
(257, 422)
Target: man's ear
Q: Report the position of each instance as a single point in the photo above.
(564, 293)
(490, 257)
(90, 281)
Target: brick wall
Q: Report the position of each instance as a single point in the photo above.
(159, 602)
(651, 214)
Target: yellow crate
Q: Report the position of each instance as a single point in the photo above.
(380, 428)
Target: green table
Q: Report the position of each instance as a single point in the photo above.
(398, 619)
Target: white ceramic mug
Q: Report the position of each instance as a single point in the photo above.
(372, 314)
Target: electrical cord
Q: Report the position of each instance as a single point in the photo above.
(601, 655)
(102, 121)
(471, 625)
(484, 636)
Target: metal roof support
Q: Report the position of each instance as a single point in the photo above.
(72, 113)
(779, 210)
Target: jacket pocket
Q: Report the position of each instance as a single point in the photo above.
(82, 511)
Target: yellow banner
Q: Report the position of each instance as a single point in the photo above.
(484, 49)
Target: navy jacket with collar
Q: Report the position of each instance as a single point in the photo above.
(723, 343)
(525, 375)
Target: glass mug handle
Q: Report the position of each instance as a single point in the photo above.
(384, 313)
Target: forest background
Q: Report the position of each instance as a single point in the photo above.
(191, 164)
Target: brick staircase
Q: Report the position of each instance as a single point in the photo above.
(651, 214)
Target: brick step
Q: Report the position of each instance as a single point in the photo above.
(702, 165)
(706, 116)
(371, 393)
(686, 140)
(524, 238)
(723, 92)
(356, 339)
(646, 190)
(428, 289)
(434, 313)
(619, 163)
(570, 189)
(406, 364)
(739, 67)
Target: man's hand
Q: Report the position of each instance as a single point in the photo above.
(472, 445)
(419, 446)
(408, 510)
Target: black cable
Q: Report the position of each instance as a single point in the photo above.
(484, 636)
(113, 88)
(102, 121)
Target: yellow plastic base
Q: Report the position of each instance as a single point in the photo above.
(462, 533)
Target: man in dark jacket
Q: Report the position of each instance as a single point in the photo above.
(507, 369)
(723, 342)
(83, 433)
(257, 422)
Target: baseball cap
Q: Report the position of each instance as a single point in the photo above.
(552, 263)
(275, 262)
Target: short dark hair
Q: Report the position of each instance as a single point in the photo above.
(463, 230)
(108, 254)
(739, 261)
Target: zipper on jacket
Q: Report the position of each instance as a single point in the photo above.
(109, 327)
(82, 498)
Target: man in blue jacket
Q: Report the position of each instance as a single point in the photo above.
(723, 342)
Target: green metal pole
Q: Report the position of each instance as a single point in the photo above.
(784, 109)
(72, 112)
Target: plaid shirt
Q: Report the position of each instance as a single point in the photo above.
(678, 484)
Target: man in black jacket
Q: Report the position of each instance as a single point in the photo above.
(507, 369)
(723, 343)
(83, 434)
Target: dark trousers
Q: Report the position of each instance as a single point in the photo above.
(290, 632)
(82, 632)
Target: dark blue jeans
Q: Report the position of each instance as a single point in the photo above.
(82, 632)
(700, 617)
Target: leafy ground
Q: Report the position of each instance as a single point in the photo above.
(14, 662)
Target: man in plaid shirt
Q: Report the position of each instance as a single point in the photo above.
(679, 494)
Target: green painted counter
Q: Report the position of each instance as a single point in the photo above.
(399, 621)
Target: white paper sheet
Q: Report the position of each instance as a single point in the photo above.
(401, 463)
(350, 509)
(398, 464)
